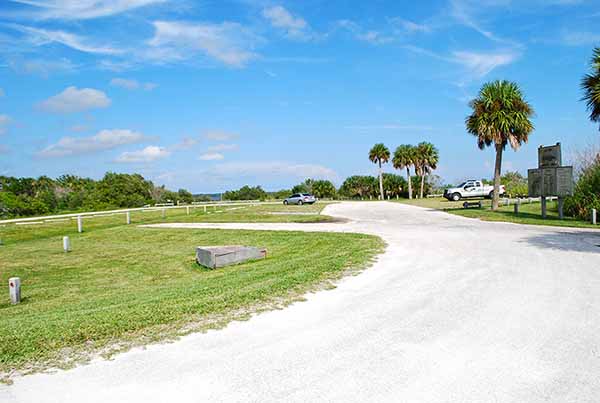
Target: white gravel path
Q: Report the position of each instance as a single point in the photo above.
(456, 310)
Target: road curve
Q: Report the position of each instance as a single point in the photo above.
(455, 310)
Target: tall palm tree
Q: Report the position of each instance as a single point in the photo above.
(404, 157)
(500, 116)
(380, 154)
(591, 87)
(426, 159)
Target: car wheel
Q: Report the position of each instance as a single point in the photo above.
(456, 196)
(300, 203)
(491, 195)
(285, 202)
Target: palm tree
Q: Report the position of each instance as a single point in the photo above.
(404, 157)
(426, 159)
(500, 116)
(380, 154)
(591, 87)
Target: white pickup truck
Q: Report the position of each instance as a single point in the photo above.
(471, 188)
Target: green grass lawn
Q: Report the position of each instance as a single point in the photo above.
(125, 285)
(259, 213)
(528, 213)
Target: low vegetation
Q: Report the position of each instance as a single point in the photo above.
(123, 285)
(529, 213)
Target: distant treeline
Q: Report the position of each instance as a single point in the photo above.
(354, 187)
(30, 196)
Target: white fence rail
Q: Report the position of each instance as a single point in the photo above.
(93, 214)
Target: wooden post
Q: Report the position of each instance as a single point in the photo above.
(594, 216)
(544, 212)
(79, 224)
(128, 217)
(561, 205)
(516, 207)
(66, 244)
(14, 289)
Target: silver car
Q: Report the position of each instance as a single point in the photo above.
(300, 199)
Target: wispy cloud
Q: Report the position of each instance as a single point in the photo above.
(145, 155)
(295, 27)
(229, 43)
(215, 135)
(103, 140)
(4, 121)
(410, 26)
(40, 37)
(371, 36)
(73, 100)
(81, 9)
(211, 157)
(131, 84)
(481, 64)
(41, 67)
(281, 170)
(223, 147)
(580, 38)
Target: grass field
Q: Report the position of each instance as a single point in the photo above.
(259, 213)
(528, 213)
(125, 285)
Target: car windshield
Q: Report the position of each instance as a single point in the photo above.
(462, 184)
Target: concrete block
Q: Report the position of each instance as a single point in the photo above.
(219, 256)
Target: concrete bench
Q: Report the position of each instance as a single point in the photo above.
(220, 256)
(472, 204)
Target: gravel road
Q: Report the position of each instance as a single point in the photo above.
(455, 310)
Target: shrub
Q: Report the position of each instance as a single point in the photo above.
(587, 193)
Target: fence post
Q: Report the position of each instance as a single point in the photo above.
(164, 213)
(14, 289)
(66, 244)
(187, 210)
(79, 224)
(205, 209)
(594, 216)
(516, 207)
(128, 217)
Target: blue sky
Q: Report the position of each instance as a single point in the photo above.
(213, 95)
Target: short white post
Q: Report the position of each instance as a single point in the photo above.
(164, 213)
(128, 217)
(66, 244)
(79, 224)
(187, 210)
(14, 289)
(204, 209)
(594, 216)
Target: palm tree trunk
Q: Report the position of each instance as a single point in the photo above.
(381, 181)
(409, 182)
(422, 183)
(497, 173)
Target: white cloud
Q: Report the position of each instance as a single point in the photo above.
(40, 37)
(4, 121)
(229, 43)
(580, 38)
(148, 154)
(103, 140)
(223, 147)
(131, 84)
(410, 26)
(480, 64)
(370, 36)
(41, 67)
(211, 157)
(73, 99)
(276, 169)
(219, 136)
(279, 17)
(82, 9)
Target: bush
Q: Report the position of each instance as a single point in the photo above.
(587, 193)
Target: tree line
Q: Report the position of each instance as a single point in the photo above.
(21, 197)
